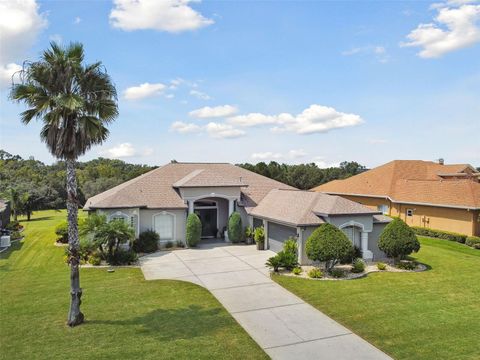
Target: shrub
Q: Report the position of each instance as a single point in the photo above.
(108, 237)
(147, 242)
(87, 247)
(194, 230)
(288, 260)
(235, 227)
(95, 259)
(381, 266)
(358, 266)
(180, 244)
(62, 232)
(122, 257)
(350, 258)
(297, 270)
(248, 233)
(169, 245)
(290, 246)
(473, 241)
(14, 235)
(315, 273)
(407, 265)
(13, 226)
(328, 243)
(259, 235)
(337, 273)
(398, 240)
(274, 263)
(440, 234)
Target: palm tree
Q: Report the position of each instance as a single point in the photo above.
(13, 196)
(75, 102)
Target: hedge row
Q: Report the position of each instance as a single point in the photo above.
(440, 234)
(473, 241)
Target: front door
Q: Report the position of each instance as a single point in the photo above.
(208, 217)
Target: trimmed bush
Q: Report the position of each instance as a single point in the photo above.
(62, 232)
(381, 266)
(315, 273)
(235, 227)
(290, 246)
(358, 266)
(473, 241)
(194, 230)
(169, 245)
(122, 257)
(297, 270)
(407, 265)
(95, 259)
(398, 240)
(337, 273)
(440, 234)
(329, 244)
(147, 242)
(288, 260)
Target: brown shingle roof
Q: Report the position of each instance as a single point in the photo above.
(302, 208)
(412, 181)
(155, 189)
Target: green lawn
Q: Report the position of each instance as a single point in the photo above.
(127, 317)
(430, 315)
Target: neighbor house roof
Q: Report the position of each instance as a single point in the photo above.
(158, 188)
(303, 208)
(414, 181)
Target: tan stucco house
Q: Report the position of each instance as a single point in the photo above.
(162, 199)
(422, 193)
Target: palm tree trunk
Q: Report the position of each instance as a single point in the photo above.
(75, 316)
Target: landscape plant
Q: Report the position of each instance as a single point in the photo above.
(274, 262)
(473, 241)
(297, 270)
(248, 234)
(329, 244)
(235, 227)
(259, 237)
(315, 273)
(61, 230)
(194, 230)
(381, 266)
(358, 266)
(74, 101)
(398, 240)
(147, 242)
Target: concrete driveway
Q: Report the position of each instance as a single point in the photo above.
(281, 323)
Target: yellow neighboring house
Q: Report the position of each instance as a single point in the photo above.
(422, 193)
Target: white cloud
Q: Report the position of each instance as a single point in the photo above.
(453, 28)
(323, 164)
(379, 52)
(57, 38)
(184, 128)
(269, 155)
(6, 73)
(143, 91)
(200, 95)
(223, 131)
(165, 15)
(169, 96)
(314, 119)
(266, 156)
(120, 151)
(214, 112)
(20, 23)
(377, 141)
(77, 20)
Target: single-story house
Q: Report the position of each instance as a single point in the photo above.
(422, 193)
(162, 199)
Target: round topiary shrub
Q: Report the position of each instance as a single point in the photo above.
(194, 230)
(398, 240)
(235, 228)
(329, 244)
(62, 232)
(147, 242)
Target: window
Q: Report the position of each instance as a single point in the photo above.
(120, 216)
(383, 208)
(409, 212)
(163, 225)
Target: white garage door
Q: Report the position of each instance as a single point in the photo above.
(163, 225)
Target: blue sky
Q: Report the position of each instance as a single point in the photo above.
(314, 81)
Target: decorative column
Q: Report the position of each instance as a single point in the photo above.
(190, 207)
(231, 203)
(266, 245)
(366, 254)
(300, 244)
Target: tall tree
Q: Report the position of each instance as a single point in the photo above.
(75, 102)
(14, 197)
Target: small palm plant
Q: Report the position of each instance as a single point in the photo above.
(74, 102)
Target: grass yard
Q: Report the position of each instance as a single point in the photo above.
(127, 317)
(429, 315)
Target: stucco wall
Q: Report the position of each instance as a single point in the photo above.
(180, 216)
(131, 213)
(365, 220)
(449, 219)
(233, 192)
(373, 241)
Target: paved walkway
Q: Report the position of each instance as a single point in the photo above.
(281, 323)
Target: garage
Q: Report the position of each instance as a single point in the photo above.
(278, 234)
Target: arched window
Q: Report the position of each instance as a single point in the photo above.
(164, 225)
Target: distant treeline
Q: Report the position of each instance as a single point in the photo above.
(305, 176)
(36, 186)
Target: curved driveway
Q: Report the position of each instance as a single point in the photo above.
(280, 322)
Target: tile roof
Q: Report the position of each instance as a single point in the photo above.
(302, 208)
(156, 189)
(414, 181)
